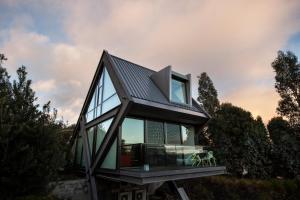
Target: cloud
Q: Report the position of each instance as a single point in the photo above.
(233, 41)
(260, 100)
(44, 85)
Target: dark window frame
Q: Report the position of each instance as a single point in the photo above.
(185, 81)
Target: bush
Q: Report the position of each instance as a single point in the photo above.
(225, 187)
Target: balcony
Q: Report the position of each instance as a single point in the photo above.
(155, 157)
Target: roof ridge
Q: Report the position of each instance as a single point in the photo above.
(133, 63)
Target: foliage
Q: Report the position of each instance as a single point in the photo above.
(208, 95)
(240, 141)
(224, 187)
(286, 148)
(37, 197)
(30, 144)
(287, 85)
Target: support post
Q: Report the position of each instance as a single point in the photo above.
(92, 185)
(180, 192)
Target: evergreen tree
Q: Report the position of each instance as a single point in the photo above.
(287, 84)
(208, 95)
(240, 141)
(29, 141)
(285, 156)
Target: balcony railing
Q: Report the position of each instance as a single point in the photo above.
(149, 156)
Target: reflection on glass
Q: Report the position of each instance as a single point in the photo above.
(104, 98)
(102, 129)
(173, 134)
(90, 136)
(155, 155)
(108, 86)
(155, 132)
(178, 91)
(110, 103)
(110, 160)
(132, 131)
(188, 135)
(79, 149)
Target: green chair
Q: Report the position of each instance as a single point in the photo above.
(206, 160)
(196, 160)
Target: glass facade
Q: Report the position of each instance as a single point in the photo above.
(173, 134)
(104, 98)
(155, 132)
(178, 89)
(188, 135)
(90, 136)
(156, 143)
(79, 152)
(102, 129)
(132, 131)
(110, 161)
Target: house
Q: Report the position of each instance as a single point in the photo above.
(137, 129)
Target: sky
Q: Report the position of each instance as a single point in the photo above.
(234, 41)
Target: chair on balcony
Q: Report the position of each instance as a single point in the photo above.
(206, 160)
(196, 160)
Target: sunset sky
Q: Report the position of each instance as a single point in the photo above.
(234, 41)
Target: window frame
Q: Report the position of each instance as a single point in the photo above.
(185, 95)
(165, 122)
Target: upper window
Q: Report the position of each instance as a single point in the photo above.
(104, 98)
(178, 91)
(132, 131)
(155, 132)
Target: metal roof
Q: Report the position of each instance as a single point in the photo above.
(137, 80)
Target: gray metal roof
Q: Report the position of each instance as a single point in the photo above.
(139, 84)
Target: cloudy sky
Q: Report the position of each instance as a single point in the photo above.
(234, 41)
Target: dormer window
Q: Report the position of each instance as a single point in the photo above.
(178, 90)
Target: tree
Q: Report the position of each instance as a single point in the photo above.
(208, 95)
(287, 84)
(29, 141)
(285, 155)
(240, 142)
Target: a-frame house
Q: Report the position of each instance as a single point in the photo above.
(137, 129)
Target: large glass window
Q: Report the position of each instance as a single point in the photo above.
(110, 160)
(173, 134)
(102, 129)
(178, 91)
(188, 135)
(104, 98)
(132, 131)
(79, 150)
(90, 136)
(155, 132)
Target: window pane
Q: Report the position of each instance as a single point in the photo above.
(155, 132)
(99, 99)
(78, 151)
(132, 131)
(110, 103)
(188, 135)
(90, 135)
(89, 116)
(178, 91)
(101, 80)
(110, 160)
(98, 111)
(108, 86)
(173, 134)
(102, 129)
